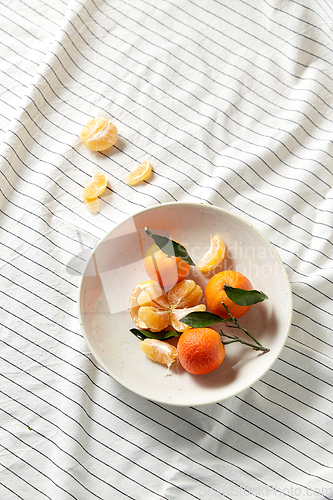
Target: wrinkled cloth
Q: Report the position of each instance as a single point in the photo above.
(231, 101)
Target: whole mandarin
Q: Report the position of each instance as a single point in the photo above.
(215, 295)
(166, 270)
(200, 350)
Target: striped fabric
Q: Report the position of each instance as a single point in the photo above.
(232, 102)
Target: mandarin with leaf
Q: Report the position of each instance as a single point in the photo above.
(167, 270)
(215, 294)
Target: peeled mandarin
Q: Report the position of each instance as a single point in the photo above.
(99, 134)
(152, 309)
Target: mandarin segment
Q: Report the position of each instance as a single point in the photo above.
(139, 174)
(99, 134)
(92, 205)
(159, 351)
(155, 319)
(215, 295)
(92, 190)
(214, 255)
(95, 187)
(186, 293)
(183, 299)
(153, 295)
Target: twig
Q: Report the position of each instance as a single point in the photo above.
(237, 339)
(257, 347)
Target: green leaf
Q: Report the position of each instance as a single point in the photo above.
(146, 334)
(170, 247)
(201, 319)
(244, 297)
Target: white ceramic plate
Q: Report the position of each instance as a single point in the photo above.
(115, 268)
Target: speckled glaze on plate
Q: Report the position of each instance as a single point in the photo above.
(116, 266)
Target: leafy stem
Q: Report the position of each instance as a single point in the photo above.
(201, 319)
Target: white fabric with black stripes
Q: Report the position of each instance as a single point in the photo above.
(232, 101)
